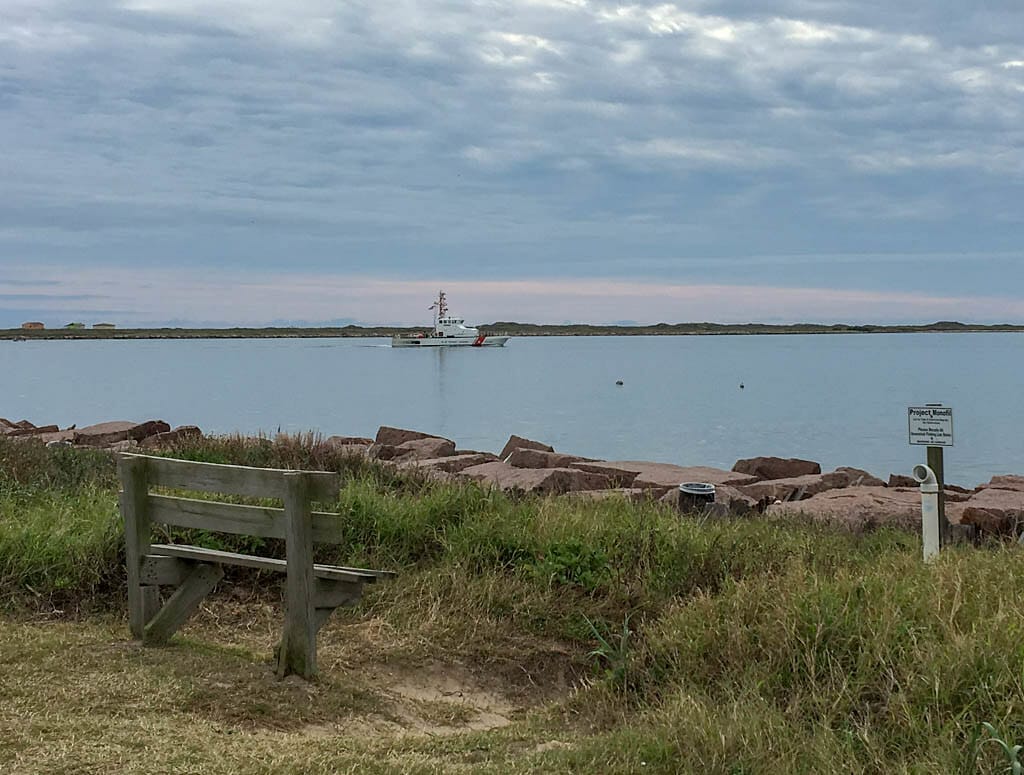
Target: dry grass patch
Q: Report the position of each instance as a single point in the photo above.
(80, 697)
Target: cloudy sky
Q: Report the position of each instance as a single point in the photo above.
(235, 161)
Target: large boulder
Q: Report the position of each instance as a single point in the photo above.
(35, 430)
(385, 452)
(1006, 482)
(518, 442)
(538, 458)
(425, 449)
(394, 437)
(106, 433)
(663, 477)
(901, 480)
(991, 510)
(541, 481)
(451, 464)
(860, 507)
(8, 428)
(860, 477)
(796, 488)
(171, 437)
(620, 477)
(56, 438)
(776, 467)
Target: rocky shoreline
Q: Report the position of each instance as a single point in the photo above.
(848, 496)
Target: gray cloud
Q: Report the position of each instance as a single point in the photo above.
(526, 139)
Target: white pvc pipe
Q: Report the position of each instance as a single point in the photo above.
(929, 510)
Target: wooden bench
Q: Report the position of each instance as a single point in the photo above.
(312, 591)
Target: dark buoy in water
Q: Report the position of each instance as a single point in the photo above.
(741, 386)
(618, 382)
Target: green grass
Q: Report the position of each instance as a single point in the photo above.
(721, 647)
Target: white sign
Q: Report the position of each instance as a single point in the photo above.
(931, 426)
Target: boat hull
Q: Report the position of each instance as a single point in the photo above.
(450, 341)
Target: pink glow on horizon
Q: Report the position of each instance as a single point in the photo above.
(250, 298)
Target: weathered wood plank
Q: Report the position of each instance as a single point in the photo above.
(182, 603)
(143, 600)
(166, 571)
(262, 521)
(261, 563)
(235, 480)
(298, 641)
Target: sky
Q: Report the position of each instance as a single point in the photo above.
(223, 162)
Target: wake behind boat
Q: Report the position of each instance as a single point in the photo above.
(448, 332)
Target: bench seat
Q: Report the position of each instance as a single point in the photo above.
(359, 575)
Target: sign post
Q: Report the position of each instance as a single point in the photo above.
(931, 426)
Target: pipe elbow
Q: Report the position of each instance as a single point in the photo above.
(925, 477)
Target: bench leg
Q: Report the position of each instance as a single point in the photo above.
(298, 641)
(328, 594)
(186, 598)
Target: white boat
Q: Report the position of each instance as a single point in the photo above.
(448, 332)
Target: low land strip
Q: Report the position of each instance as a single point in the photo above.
(512, 328)
(523, 634)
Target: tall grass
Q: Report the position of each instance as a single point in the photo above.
(732, 646)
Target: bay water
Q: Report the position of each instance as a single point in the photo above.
(691, 400)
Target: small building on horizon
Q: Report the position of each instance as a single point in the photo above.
(103, 325)
(75, 325)
(33, 325)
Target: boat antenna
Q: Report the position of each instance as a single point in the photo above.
(442, 306)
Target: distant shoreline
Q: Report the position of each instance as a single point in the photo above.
(513, 329)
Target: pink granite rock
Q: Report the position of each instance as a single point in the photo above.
(425, 449)
(991, 510)
(386, 452)
(35, 430)
(106, 433)
(796, 488)
(518, 442)
(538, 458)
(168, 438)
(860, 478)
(665, 476)
(56, 437)
(452, 464)
(395, 436)
(900, 480)
(1006, 482)
(776, 467)
(542, 481)
(860, 507)
(620, 477)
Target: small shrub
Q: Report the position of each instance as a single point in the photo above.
(573, 563)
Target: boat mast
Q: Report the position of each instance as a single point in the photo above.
(440, 308)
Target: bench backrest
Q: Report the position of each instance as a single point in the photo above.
(140, 472)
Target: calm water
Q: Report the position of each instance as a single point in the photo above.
(838, 399)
